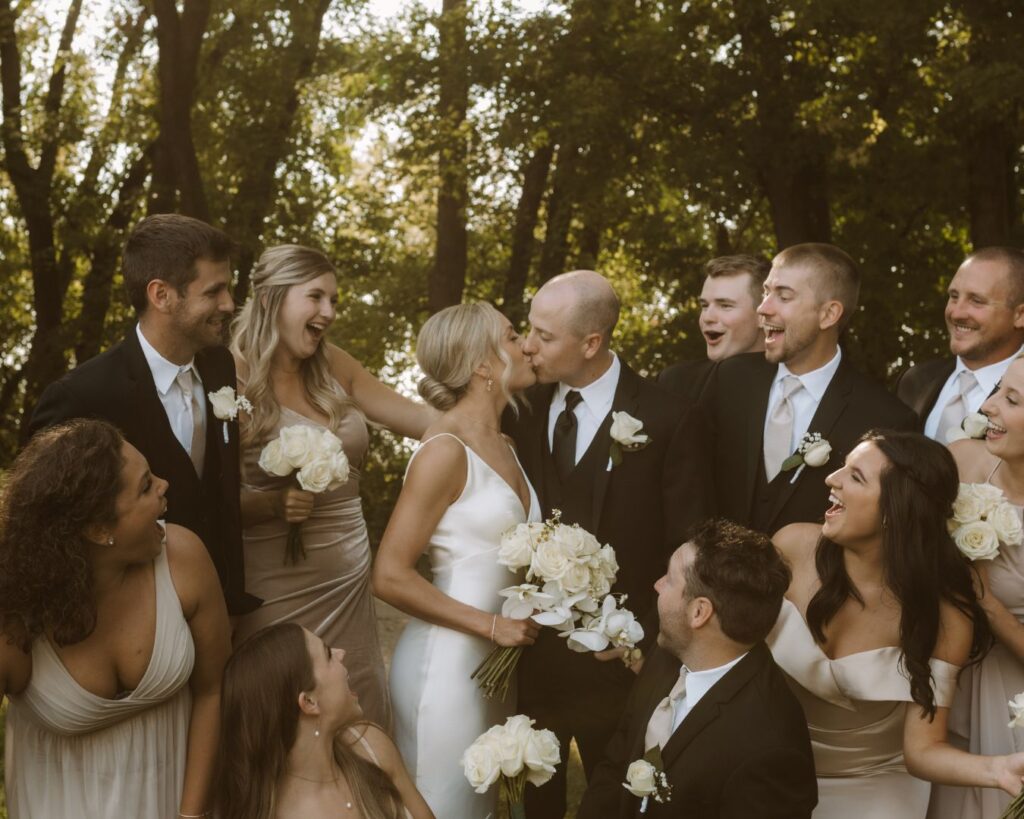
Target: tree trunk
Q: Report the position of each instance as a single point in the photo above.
(535, 175)
(560, 211)
(257, 187)
(33, 188)
(448, 275)
(990, 153)
(179, 38)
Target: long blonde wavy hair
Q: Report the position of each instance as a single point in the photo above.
(254, 339)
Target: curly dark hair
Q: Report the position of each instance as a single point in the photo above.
(921, 564)
(66, 479)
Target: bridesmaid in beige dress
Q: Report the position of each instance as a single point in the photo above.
(114, 639)
(979, 719)
(292, 375)
(879, 619)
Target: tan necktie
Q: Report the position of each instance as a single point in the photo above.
(956, 410)
(659, 727)
(188, 395)
(778, 433)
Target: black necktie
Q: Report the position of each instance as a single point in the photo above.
(564, 444)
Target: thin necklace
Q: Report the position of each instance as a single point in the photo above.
(348, 804)
(483, 424)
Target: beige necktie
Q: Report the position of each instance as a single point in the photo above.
(188, 395)
(956, 410)
(659, 727)
(778, 433)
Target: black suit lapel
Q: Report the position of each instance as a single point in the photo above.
(535, 439)
(216, 442)
(707, 710)
(760, 390)
(626, 400)
(831, 407)
(931, 395)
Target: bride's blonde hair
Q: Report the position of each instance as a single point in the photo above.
(255, 338)
(452, 343)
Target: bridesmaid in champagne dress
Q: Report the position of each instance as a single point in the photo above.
(463, 489)
(979, 721)
(292, 376)
(872, 648)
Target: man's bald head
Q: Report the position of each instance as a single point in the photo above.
(588, 300)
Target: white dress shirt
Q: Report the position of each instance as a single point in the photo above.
(987, 378)
(590, 413)
(805, 402)
(698, 683)
(177, 405)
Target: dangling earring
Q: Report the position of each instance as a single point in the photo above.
(316, 731)
(490, 383)
(110, 540)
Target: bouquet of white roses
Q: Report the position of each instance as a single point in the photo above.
(576, 574)
(514, 753)
(983, 520)
(318, 462)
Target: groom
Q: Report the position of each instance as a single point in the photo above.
(155, 385)
(761, 406)
(640, 500)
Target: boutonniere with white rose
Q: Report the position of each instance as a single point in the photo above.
(317, 461)
(226, 406)
(813, 451)
(983, 520)
(974, 425)
(626, 436)
(514, 753)
(646, 778)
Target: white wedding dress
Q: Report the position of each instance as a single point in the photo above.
(438, 709)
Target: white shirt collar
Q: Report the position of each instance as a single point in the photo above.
(988, 376)
(164, 371)
(597, 395)
(698, 683)
(816, 381)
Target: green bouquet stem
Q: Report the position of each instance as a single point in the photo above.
(494, 674)
(294, 551)
(512, 789)
(1015, 810)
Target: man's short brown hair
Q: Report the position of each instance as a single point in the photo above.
(837, 276)
(754, 266)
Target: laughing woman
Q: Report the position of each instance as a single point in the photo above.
(879, 620)
(979, 719)
(292, 375)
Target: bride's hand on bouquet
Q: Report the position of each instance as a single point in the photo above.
(509, 632)
(294, 505)
(1009, 772)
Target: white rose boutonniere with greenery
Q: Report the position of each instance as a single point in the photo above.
(974, 425)
(646, 778)
(226, 406)
(813, 451)
(626, 436)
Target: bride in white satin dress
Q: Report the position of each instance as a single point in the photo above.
(464, 487)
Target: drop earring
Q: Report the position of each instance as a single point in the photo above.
(110, 540)
(490, 383)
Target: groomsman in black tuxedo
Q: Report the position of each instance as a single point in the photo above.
(728, 320)
(985, 319)
(642, 504)
(761, 406)
(733, 738)
(155, 384)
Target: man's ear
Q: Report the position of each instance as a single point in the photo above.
(701, 611)
(161, 295)
(830, 313)
(591, 345)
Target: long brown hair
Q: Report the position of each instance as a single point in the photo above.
(66, 479)
(259, 724)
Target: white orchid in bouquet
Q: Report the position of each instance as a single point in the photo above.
(318, 463)
(572, 575)
(983, 520)
(513, 754)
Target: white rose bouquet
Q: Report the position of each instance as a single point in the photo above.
(315, 458)
(572, 576)
(646, 779)
(514, 753)
(983, 520)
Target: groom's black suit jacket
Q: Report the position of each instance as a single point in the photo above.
(643, 507)
(117, 386)
(919, 386)
(736, 402)
(742, 753)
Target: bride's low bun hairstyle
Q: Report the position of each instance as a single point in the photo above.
(452, 343)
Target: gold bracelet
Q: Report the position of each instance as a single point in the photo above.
(202, 815)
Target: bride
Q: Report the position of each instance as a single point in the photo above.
(464, 487)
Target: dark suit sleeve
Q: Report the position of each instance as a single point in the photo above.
(777, 784)
(686, 483)
(56, 405)
(604, 786)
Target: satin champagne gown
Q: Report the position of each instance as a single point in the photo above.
(855, 707)
(439, 711)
